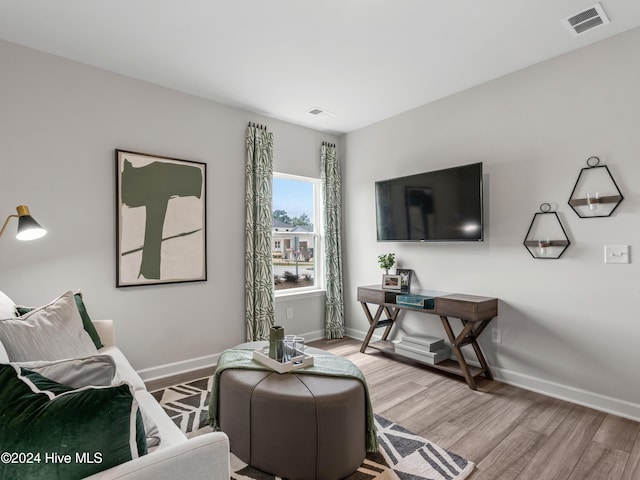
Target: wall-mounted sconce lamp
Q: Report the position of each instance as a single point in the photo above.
(595, 193)
(28, 228)
(546, 237)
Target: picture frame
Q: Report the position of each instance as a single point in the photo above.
(161, 230)
(405, 278)
(391, 282)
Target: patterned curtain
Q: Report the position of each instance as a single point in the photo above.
(332, 187)
(259, 295)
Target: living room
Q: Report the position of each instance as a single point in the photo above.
(533, 129)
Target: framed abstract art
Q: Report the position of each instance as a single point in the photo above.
(161, 220)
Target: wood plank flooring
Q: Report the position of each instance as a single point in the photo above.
(165, 382)
(510, 433)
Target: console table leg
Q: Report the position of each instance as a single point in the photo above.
(373, 321)
(483, 362)
(391, 315)
(476, 348)
(455, 345)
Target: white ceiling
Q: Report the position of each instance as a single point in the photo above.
(364, 60)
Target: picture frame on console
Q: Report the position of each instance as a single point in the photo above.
(391, 282)
(160, 220)
(405, 279)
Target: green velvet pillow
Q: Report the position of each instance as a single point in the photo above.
(86, 320)
(55, 432)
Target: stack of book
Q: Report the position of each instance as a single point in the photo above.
(423, 348)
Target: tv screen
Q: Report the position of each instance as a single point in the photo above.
(438, 206)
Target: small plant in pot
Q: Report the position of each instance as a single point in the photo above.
(386, 261)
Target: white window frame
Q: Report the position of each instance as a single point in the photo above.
(318, 233)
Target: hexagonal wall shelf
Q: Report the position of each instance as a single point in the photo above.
(595, 193)
(546, 237)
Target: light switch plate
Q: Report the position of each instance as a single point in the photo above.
(616, 254)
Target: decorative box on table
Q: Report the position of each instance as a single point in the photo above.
(299, 361)
(416, 301)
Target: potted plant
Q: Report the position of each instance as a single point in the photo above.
(386, 261)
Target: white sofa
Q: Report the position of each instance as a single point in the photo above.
(175, 457)
(202, 457)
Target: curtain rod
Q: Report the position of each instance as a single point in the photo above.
(257, 125)
(329, 144)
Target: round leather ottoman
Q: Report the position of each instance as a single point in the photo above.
(294, 425)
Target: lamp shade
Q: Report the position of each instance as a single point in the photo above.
(29, 229)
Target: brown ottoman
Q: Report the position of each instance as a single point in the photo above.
(297, 426)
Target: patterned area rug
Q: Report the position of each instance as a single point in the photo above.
(187, 403)
(402, 455)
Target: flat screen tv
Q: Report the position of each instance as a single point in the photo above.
(438, 206)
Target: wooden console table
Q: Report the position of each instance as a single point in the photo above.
(474, 312)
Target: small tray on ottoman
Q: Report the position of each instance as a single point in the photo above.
(262, 356)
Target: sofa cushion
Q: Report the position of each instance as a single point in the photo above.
(51, 332)
(161, 430)
(100, 370)
(7, 307)
(97, 371)
(124, 370)
(82, 309)
(4, 356)
(68, 433)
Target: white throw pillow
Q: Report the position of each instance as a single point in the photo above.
(7, 307)
(7, 310)
(94, 371)
(51, 332)
(4, 357)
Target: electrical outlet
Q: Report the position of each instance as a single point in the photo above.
(496, 335)
(289, 313)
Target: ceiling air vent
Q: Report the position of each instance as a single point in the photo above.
(320, 113)
(590, 18)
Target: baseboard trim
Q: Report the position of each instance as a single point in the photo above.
(312, 336)
(178, 368)
(208, 361)
(578, 396)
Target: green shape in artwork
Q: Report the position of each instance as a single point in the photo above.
(152, 186)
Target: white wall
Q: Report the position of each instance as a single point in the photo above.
(60, 122)
(569, 326)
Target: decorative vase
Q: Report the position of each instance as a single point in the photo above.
(276, 339)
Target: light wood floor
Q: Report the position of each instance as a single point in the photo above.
(508, 432)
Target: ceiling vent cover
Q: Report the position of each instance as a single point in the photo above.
(586, 20)
(320, 113)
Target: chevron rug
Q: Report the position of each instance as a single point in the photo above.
(402, 455)
(187, 403)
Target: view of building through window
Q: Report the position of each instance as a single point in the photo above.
(294, 236)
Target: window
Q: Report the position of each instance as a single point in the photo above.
(296, 241)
